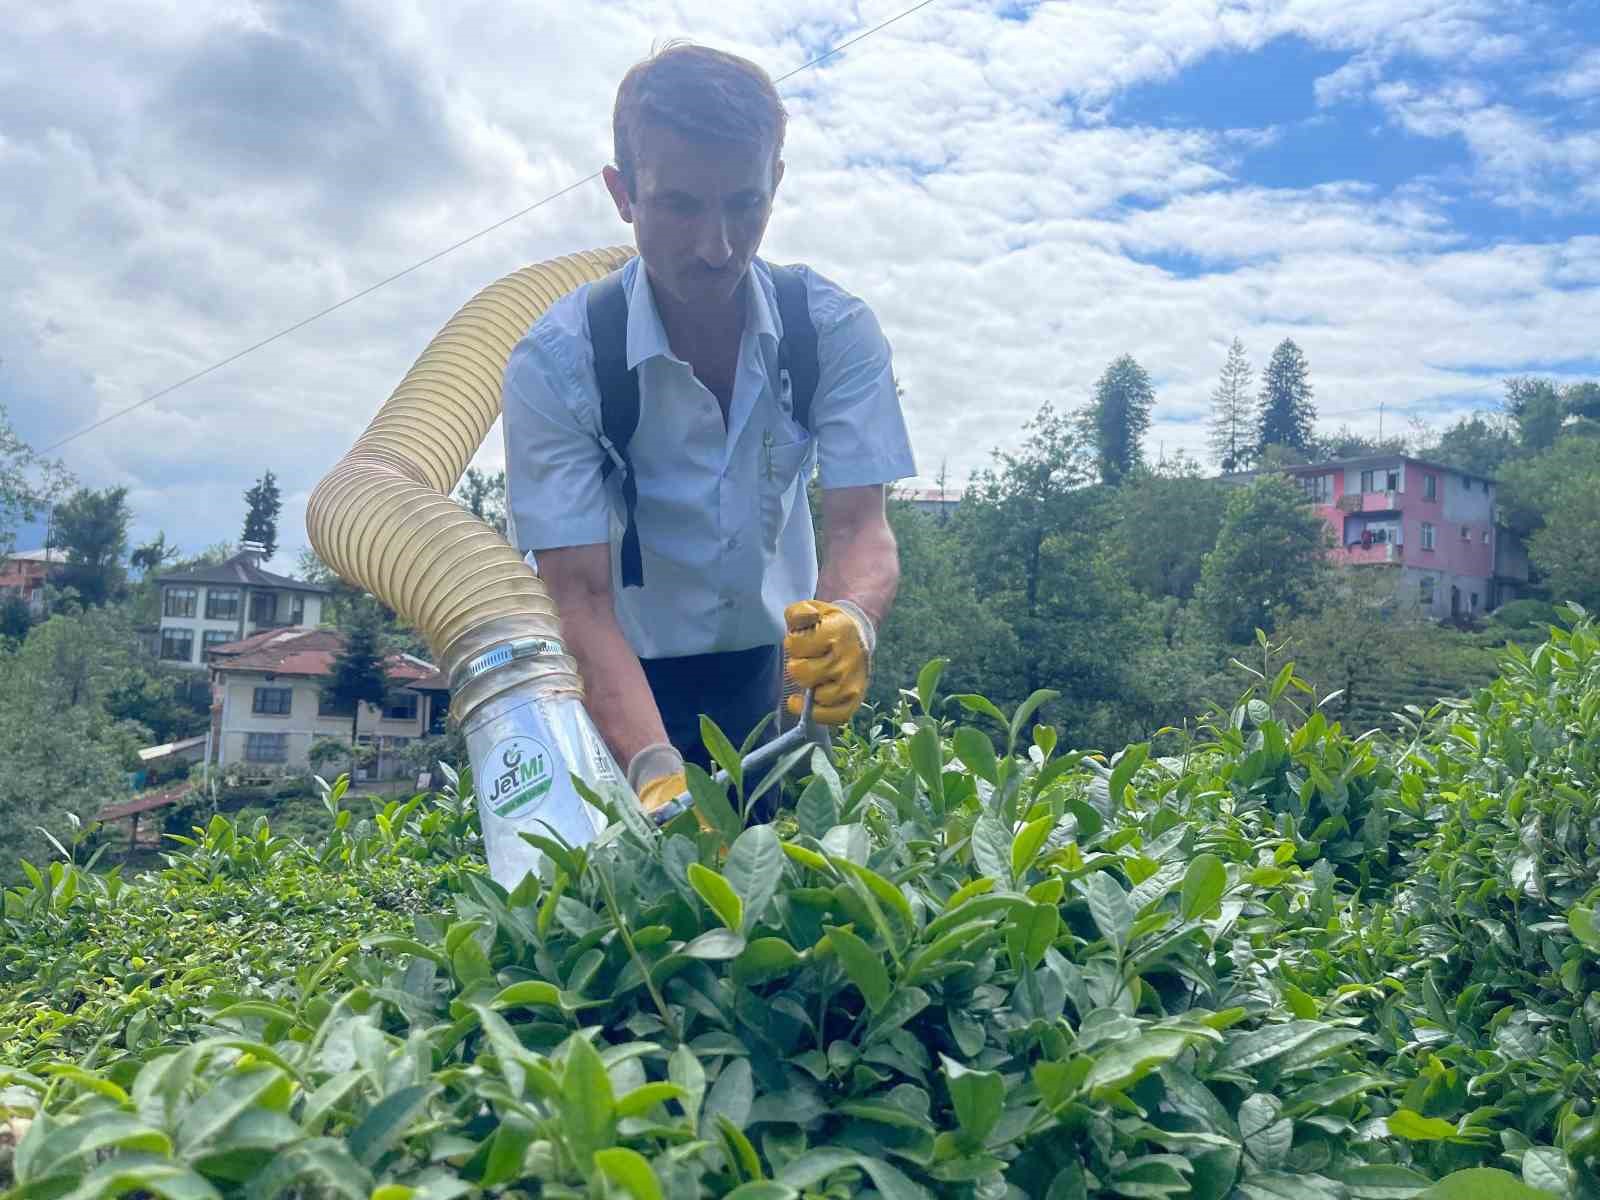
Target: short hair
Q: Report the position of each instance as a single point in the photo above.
(699, 93)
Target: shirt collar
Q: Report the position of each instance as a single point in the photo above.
(647, 336)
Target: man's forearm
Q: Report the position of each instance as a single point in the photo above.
(862, 566)
(616, 693)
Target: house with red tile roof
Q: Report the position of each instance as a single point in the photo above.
(269, 706)
(211, 606)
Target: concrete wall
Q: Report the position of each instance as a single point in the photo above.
(302, 724)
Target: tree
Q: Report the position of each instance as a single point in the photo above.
(1538, 410)
(1531, 488)
(29, 483)
(358, 675)
(1233, 433)
(92, 527)
(1582, 400)
(1359, 640)
(484, 496)
(1477, 444)
(1269, 559)
(1167, 523)
(1347, 443)
(1567, 549)
(1118, 418)
(1287, 415)
(261, 516)
(153, 555)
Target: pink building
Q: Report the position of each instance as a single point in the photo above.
(1434, 524)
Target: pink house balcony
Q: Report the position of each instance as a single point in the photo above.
(1365, 502)
(1378, 552)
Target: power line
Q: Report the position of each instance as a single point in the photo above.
(434, 257)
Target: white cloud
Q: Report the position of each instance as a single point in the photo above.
(1580, 81)
(220, 172)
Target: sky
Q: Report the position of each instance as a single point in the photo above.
(1410, 189)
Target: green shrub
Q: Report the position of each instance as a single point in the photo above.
(1528, 616)
(968, 963)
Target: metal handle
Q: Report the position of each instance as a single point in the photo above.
(808, 730)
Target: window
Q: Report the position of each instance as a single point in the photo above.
(178, 602)
(329, 706)
(1366, 482)
(273, 701)
(297, 609)
(1391, 482)
(263, 608)
(1430, 487)
(400, 706)
(1474, 601)
(177, 645)
(215, 637)
(1318, 488)
(222, 604)
(1426, 585)
(266, 747)
(1485, 537)
(1466, 533)
(1427, 536)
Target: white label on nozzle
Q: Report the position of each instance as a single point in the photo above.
(526, 774)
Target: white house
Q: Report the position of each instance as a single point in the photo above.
(211, 606)
(268, 705)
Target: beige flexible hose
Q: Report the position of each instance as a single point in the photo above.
(383, 518)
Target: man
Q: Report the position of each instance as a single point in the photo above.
(700, 595)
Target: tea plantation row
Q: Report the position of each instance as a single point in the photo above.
(1285, 963)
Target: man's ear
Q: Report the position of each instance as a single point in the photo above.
(618, 188)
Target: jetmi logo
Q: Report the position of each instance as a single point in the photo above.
(526, 775)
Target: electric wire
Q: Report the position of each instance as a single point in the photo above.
(434, 257)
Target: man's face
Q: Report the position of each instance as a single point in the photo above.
(698, 212)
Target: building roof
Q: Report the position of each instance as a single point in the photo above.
(150, 753)
(950, 495)
(1375, 460)
(309, 653)
(35, 556)
(242, 569)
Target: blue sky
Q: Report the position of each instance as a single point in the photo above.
(1408, 188)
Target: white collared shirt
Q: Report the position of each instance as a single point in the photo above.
(724, 523)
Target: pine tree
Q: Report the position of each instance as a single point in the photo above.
(1233, 430)
(358, 675)
(261, 517)
(1287, 414)
(1118, 418)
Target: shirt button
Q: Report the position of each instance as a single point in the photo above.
(733, 542)
(727, 602)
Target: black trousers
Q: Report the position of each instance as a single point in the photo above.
(736, 689)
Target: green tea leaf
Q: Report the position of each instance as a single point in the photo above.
(754, 869)
(1483, 1183)
(976, 752)
(978, 1098)
(1381, 1182)
(1203, 886)
(722, 751)
(630, 1171)
(1123, 1063)
(817, 811)
(732, 1094)
(991, 849)
(863, 965)
(1546, 1168)
(718, 895)
(587, 1103)
(685, 1071)
(980, 704)
(928, 682)
(1584, 927)
(927, 758)
(1026, 847)
(1417, 1128)
(386, 1123)
(816, 1165)
(1108, 905)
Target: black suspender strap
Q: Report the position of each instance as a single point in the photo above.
(619, 405)
(619, 386)
(797, 349)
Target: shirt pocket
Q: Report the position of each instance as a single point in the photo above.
(779, 472)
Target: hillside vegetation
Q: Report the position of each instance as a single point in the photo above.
(1283, 963)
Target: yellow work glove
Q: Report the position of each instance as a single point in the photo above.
(828, 650)
(656, 776)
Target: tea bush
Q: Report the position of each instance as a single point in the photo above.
(1285, 962)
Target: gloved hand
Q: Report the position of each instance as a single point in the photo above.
(828, 650)
(656, 776)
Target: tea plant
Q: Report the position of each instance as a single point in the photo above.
(966, 963)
